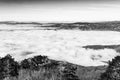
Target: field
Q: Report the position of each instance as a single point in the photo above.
(23, 42)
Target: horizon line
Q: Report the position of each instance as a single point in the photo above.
(13, 21)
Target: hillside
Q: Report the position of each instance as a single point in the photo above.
(42, 68)
(104, 26)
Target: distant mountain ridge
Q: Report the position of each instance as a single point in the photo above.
(15, 22)
(105, 26)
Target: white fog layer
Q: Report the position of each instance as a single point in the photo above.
(64, 45)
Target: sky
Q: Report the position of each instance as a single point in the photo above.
(60, 10)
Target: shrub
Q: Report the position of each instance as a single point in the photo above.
(113, 70)
(8, 67)
(34, 63)
(69, 72)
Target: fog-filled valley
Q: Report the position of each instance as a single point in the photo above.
(59, 51)
(24, 40)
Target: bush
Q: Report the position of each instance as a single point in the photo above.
(69, 72)
(34, 63)
(113, 70)
(8, 67)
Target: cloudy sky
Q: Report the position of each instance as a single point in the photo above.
(59, 10)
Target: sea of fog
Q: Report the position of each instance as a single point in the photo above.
(63, 45)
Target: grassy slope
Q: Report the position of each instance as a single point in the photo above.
(84, 73)
(90, 73)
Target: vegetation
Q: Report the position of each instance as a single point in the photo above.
(42, 68)
(113, 70)
(105, 26)
(97, 47)
(8, 67)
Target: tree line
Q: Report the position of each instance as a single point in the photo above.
(11, 68)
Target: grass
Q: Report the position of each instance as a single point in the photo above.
(42, 68)
(84, 73)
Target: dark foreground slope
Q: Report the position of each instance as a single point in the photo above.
(42, 68)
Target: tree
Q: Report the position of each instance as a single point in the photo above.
(34, 63)
(40, 59)
(1, 70)
(113, 70)
(8, 66)
(25, 64)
